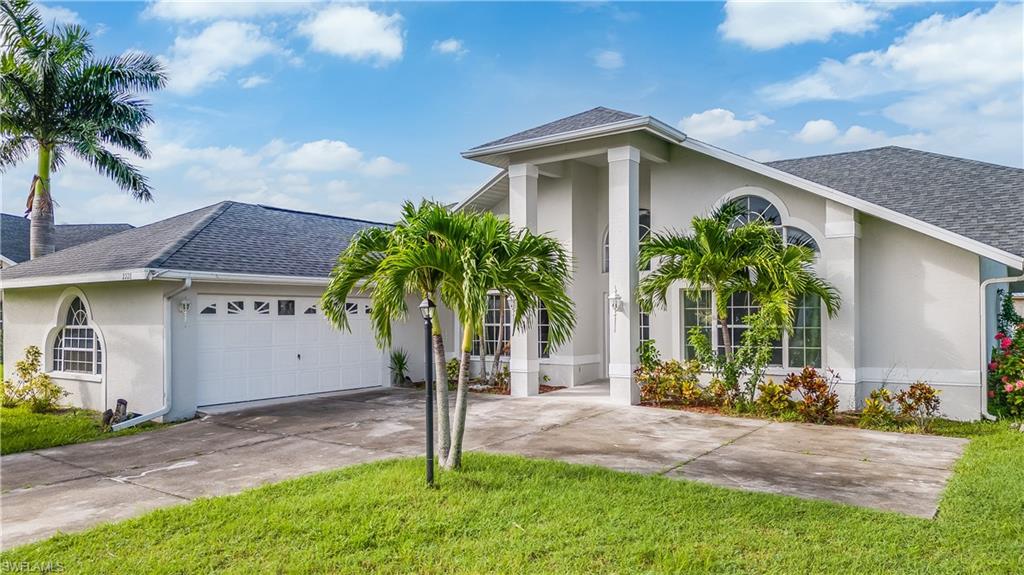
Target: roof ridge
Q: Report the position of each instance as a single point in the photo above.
(170, 250)
(332, 216)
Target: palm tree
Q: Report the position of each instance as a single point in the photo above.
(476, 255)
(727, 258)
(365, 264)
(717, 255)
(57, 99)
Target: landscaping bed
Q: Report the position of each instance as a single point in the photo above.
(23, 430)
(506, 514)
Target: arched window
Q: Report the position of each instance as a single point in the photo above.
(645, 232)
(76, 347)
(757, 208)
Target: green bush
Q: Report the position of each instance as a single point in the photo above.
(34, 390)
(877, 410)
(774, 399)
(671, 381)
(920, 404)
(818, 398)
(452, 370)
(399, 366)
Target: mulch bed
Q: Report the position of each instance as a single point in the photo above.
(500, 390)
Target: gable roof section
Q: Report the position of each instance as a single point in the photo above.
(590, 119)
(228, 237)
(977, 200)
(14, 235)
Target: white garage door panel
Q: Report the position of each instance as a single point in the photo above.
(254, 348)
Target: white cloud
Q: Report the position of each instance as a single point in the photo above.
(817, 131)
(609, 59)
(253, 81)
(57, 14)
(957, 83)
(356, 32)
(193, 11)
(335, 156)
(197, 61)
(769, 25)
(979, 51)
(719, 124)
(452, 46)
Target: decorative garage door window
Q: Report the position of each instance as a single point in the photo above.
(76, 348)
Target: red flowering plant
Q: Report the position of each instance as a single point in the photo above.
(1006, 371)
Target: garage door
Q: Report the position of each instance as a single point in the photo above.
(259, 347)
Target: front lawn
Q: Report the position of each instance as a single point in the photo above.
(22, 430)
(512, 515)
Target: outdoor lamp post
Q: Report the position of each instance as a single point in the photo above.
(427, 308)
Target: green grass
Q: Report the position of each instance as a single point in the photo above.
(22, 430)
(511, 515)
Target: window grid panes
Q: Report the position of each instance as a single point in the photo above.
(493, 326)
(740, 306)
(697, 312)
(76, 347)
(543, 329)
(645, 327)
(805, 342)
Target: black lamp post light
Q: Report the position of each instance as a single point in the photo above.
(427, 309)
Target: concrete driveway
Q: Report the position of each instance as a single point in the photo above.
(74, 487)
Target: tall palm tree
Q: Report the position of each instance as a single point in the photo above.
(362, 269)
(479, 254)
(57, 99)
(716, 255)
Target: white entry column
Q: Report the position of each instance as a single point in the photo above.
(623, 244)
(842, 239)
(524, 367)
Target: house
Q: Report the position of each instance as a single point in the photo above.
(217, 305)
(14, 236)
(220, 304)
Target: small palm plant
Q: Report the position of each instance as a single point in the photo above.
(399, 366)
(58, 100)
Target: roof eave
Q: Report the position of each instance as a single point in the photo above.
(653, 125)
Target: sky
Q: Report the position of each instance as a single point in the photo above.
(349, 109)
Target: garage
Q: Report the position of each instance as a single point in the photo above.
(261, 347)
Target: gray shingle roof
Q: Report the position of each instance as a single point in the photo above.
(981, 201)
(14, 235)
(591, 118)
(228, 237)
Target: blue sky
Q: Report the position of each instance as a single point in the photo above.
(351, 108)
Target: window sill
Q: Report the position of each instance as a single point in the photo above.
(91, 377)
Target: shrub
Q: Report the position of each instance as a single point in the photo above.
(399, 366)
(33, 389)
(773, 399)
(452, 370)
(1006, 371)
(670, 381)
(877, 410)
(648, 354)
(919, 403)
(818, 399)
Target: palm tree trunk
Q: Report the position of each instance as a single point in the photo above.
(454, 460)
(41, 241)
(726, 337)
(444, 420)
(501, 344)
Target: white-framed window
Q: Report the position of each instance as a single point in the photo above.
(543, 331)
(758, 208)
(697, 312)
(494, 326)
(76, 348)
(645, 327)
(803, 347)
(645, 232)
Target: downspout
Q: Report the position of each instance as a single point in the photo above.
(984, 341)
(168, 360)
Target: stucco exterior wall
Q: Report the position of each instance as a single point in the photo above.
(921, 315)
(129, 319)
